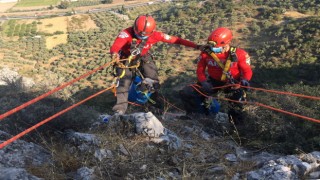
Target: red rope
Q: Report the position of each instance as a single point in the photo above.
(172, 104)
(218, 87)
(9, 141)
(261, 105)
(274, 109)
(266, 90)
(136, 104)
(281, 92)
(16, 109)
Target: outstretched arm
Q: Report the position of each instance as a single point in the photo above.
(177, 40)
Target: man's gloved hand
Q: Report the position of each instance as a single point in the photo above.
(203, 48)
(115, 57)
(149, 83)
(206, 87)
(245, 82)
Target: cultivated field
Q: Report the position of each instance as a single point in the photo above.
(62, 24)
(55, 40)
(5, 6)
(53, 24)
(28, 3)
(80, 22)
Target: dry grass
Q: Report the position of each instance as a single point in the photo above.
(148, 160)
(64, 162)
(6, 6)
(65, 24)
(291, 14)
(53, 24)
(294, 14)
(80, 23)
(241, 167)
(55, 40)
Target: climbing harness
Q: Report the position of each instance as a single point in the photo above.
(141, 88)
(135, 50)
(225, 67)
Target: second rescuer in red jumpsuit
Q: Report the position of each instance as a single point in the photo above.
(239, 71)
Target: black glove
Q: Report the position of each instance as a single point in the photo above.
(245, 82)
(204, 48)
(206, 87)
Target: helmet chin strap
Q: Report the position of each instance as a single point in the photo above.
(226, 48)
(140, 37)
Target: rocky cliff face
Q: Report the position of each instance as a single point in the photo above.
(10, 77)
(140, 146)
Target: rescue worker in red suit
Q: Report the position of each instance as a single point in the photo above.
(239, 72)
(138, 39)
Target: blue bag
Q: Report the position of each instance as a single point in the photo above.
(206, 106)
(137, 96)
(214, 107)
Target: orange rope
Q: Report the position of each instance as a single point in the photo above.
(266, 90)
(136, 104)
(274, 109)
(218, 87)
(5, 143)
(195, 88)
(172, 104)
(261, 105)
(281, 92)
(16, 109)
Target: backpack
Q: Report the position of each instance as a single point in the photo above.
(136, 94)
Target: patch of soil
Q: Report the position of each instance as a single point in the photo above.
(5, 6)
(295, 14)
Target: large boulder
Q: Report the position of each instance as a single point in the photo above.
(10, 77)
(20, 154)
(16, 173)
(289, 167)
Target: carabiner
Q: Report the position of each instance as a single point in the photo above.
(135, 52)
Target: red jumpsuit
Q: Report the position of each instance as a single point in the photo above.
(239, 70)
(122, 45)
(124, 39)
